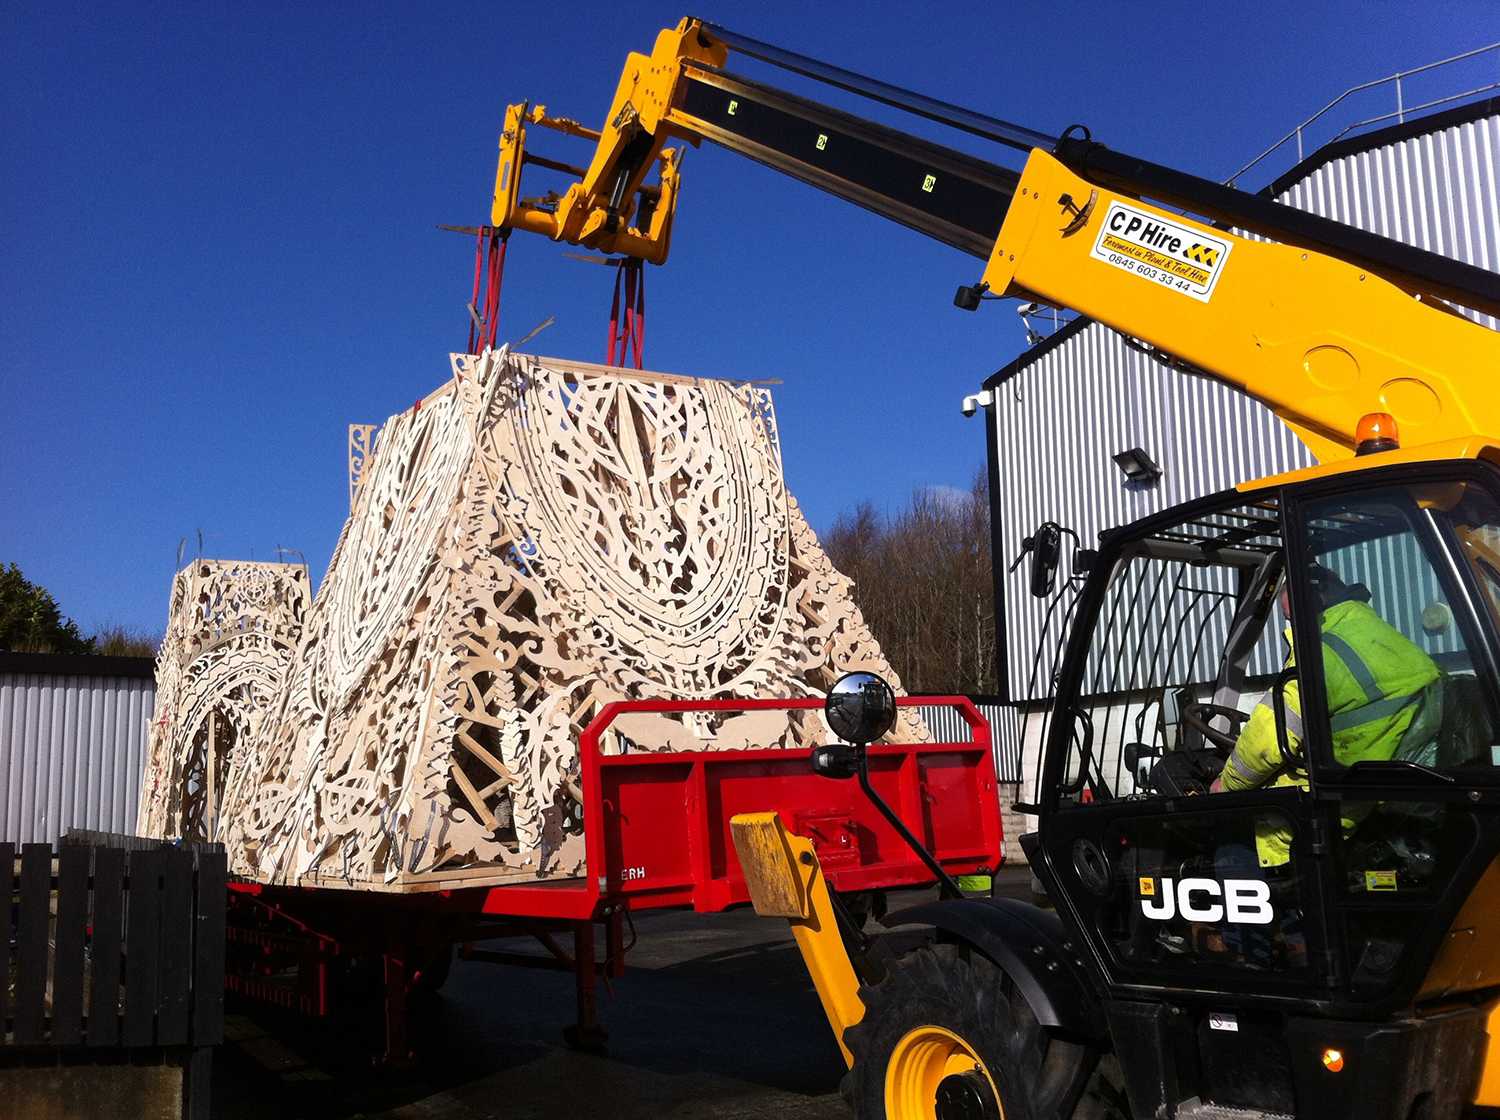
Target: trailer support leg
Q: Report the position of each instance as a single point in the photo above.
(394, 962)
(614, 942)
(586, 1034)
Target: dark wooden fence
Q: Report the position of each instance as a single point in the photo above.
(114, 948)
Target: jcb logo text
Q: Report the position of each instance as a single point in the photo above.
(1242, 901)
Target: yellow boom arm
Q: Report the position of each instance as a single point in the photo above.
(1324, 323)
(785, 881)
(1319, 341)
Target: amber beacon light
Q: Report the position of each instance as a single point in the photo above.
(1333, 1059)
(1376, 432)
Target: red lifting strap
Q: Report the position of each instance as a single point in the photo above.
(627, 343)
(483, 323)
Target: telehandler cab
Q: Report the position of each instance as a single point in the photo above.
(1322, 942)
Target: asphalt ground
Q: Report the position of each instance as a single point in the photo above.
(716, 1017)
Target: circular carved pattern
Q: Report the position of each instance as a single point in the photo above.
(647, 512)
(393, 539)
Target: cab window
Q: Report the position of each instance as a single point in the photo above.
(1400, 652)
(1406, 586)
(1189, 639)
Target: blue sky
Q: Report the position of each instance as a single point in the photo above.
(219, 244)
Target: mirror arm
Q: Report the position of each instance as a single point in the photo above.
(1085, 751)
(946, 884)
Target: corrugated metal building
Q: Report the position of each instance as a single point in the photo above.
(72, 743)
(1430, 182)
(947, 726)
(1086, 393)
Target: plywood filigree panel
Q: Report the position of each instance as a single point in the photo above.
(231, 630)
(535, 540)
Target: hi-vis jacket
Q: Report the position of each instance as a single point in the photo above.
(1375, 677)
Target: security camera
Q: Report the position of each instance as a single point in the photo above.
(974, 403)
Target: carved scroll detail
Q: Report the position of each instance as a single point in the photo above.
(230, 634)
(361, 446)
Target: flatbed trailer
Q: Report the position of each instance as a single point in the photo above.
(656, 835)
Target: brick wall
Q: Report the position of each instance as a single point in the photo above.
(1014, 824)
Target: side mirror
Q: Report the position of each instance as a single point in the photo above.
(1046, 551)
(860, 708)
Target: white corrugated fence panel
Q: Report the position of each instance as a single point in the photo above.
(72, 752)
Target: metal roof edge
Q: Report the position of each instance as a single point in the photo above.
(1037, 352)
(76, 665)
(1391, 134)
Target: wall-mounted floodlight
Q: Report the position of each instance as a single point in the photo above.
(1137, 465)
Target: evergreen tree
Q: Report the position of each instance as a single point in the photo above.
(30, 620)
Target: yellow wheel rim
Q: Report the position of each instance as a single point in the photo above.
(917, 1067)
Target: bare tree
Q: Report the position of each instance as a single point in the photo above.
(923, 580)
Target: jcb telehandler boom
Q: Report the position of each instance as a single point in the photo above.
(1323, 943)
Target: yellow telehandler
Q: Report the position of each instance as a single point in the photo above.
(1320, 939)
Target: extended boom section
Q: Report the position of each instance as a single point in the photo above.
(1325, 323)
(946, 194)
(1320, 341)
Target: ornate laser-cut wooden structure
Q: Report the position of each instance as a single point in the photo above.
(231, 632)
(532, 541)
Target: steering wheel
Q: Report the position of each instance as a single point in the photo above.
(1197, 717)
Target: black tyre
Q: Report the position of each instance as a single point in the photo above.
(947, 1036)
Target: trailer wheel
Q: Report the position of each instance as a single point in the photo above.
(947, 1036)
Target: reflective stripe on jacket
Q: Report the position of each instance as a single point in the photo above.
(1256, 761)
(1374, 676)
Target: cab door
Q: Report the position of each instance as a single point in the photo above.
(1180, 637)
(1401, 719)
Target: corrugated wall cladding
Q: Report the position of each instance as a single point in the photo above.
(947, 726)
(1402, 584)
(72, 750)
(1437, 191)
(1059, 421)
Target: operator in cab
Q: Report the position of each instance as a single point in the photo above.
(1378, 683)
